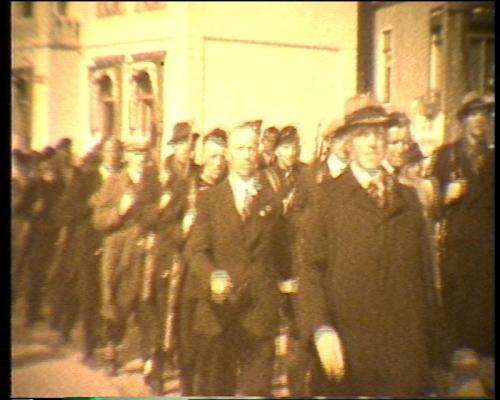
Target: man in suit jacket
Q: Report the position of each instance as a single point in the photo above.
(464, 170)
(236, 256)
(368, 293)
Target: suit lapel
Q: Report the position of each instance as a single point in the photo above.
(231, 217)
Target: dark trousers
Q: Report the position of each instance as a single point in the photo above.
(233, 363)
(38, 260)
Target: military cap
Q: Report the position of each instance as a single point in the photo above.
(217, 135)
(64, 143)
(363, 110)
(286, 135)
(474, 101)
(271, 133)
(399, 119)
(181, 133)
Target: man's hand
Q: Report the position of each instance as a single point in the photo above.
(188, 221)
(126, 203)
(220, 285)
(455, 190)
(331, 353)
(165, 199)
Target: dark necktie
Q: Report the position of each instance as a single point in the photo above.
(376, 194)
(247, 206)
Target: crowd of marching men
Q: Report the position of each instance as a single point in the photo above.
(328, 252)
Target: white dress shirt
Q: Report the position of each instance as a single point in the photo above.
(365, 178)
(242, 187)
(335, 165)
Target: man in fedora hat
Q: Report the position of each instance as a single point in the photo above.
(464, 170)
(367, 290)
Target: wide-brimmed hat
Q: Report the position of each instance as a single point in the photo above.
(180, 133)
(474, 101)
(365, 109)
(398, 118)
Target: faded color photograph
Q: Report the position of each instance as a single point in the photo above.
(252, 199)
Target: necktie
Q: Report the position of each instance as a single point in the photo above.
(478, 156)
(376, 193)
(247, 205)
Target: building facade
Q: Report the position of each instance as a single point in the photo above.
(89, 70)
(427, 55)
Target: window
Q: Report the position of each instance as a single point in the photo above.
(387, 65)
(108, 8)
(21, 110)
(481, 49)
(26, 9)
(142, 105)
(436, 61)
(107, 107)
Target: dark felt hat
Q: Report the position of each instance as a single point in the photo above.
(474, 101)
(181, 133)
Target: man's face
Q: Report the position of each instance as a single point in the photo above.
(477, 124)
(368, 147)
(267, 145)
(398, 144)
(214, 160)
(338, 147)
(182, 152)
(242, 148)
(287, 154)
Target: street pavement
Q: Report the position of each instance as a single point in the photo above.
(42, 366)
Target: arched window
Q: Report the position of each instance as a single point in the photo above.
(145, 103)
(107, 107)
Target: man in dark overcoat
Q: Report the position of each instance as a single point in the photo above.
(465, 172)
(236, 256)
(368, 295)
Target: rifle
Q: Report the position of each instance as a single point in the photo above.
(319, 143)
